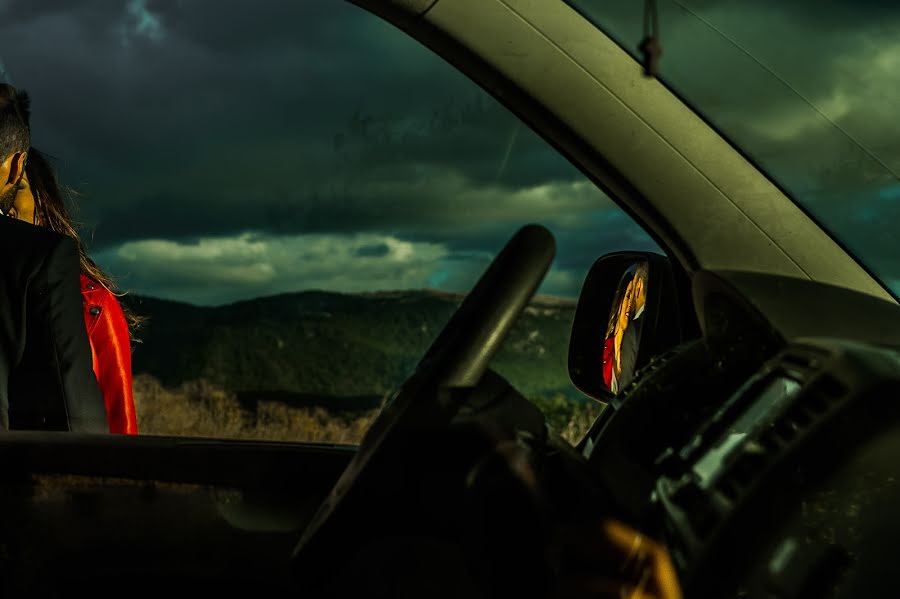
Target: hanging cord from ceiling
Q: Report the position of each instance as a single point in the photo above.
(650, 47)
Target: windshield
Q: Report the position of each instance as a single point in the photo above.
(808, 90)
(289, 214)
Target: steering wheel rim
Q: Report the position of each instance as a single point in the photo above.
(457, 358)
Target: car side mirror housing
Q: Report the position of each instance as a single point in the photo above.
(627, 313)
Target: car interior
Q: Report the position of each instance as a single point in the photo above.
(458, 486)
(752, 432)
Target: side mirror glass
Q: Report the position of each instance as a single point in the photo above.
(625, 325)
(627, 313)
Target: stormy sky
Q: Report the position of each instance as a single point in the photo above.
(223, 150)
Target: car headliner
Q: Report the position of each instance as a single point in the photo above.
(702, 200)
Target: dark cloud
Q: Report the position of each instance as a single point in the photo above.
(811, 14)
(186, 125)
(260, 119)
(375, 250)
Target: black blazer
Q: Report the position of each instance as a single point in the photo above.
(46, 370)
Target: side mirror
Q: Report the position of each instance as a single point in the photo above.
(627, 313)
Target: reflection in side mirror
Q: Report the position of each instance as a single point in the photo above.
(624, 327)
(627, 313)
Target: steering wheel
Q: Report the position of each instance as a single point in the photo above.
(457, 358)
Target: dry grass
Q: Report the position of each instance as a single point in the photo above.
(200, 409)
(580, 421)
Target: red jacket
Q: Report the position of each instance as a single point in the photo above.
(111, 348)
(609, 358)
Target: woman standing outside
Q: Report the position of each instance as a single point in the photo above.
(40, 202)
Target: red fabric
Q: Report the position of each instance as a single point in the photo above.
(111, 348)
(608, 360)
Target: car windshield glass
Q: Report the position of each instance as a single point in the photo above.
(807, 89)
(291, 200)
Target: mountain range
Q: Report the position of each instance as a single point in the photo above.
(317, 347)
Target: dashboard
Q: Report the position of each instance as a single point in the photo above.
(771, 496)
(766, 453)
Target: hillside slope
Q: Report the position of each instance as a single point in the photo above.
(313, 344)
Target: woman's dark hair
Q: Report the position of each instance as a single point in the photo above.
(50, 211)
(618, 298)
(15, 136)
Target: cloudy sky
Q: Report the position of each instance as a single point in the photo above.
(225, 150)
